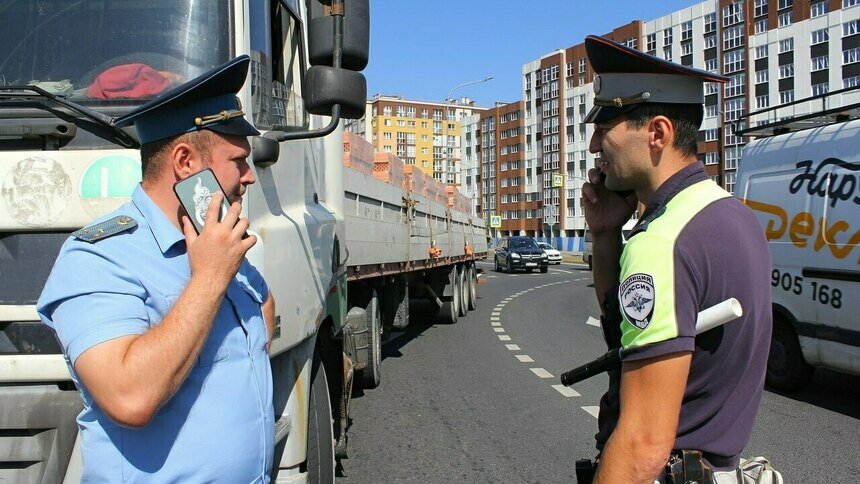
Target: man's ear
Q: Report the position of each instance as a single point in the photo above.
(662, 133)
(184, 160)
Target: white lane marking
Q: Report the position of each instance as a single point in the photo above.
(504, 337)
(541, 373)
(525, 359)
(592, 321)
(513, 347)
(494, 318)
(561, 271)
(496, 313)
(495, 324)
(507, 300)
(499, 330)
(489, 277)
(567, 392)
(592, 410)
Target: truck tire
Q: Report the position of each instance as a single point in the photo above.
(371, 375)
(320, 463)
(786, 368)
(464, 291)
(449, 312)
(472, 280)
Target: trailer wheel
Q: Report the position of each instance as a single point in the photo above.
(371, 374)
(320, 463)
(449, 312)
(464, 290)
(786, 368)
(472, 280)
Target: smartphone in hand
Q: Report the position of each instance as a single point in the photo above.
(195, 194)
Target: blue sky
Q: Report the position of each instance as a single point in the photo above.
(421, 49)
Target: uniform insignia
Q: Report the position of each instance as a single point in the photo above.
(636, 296)
(105, 229)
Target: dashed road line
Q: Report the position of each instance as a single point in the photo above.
(541, 373)
(525, 359)
(567, 392)
(499, 330)
(592, 410)
(504, 337)
(495, 323)
(592, 321)
(512, 347)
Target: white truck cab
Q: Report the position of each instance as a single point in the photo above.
(802, 180)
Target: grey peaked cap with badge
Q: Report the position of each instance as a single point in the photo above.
(206, 102)
(627, 78)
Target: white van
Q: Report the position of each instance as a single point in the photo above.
(804, 187)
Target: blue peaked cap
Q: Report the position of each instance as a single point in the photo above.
(206, 102)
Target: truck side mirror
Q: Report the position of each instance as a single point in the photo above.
(328, 86)
(356, 33)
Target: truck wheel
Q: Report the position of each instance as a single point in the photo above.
(464, 291)
(371, 374)
(320, 463)
(472, 280)
(786, 368)
(450, 310)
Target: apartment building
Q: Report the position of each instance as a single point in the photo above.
(773, 51)
(425, 134)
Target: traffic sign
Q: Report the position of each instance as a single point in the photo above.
(495, 221)
(557, 180)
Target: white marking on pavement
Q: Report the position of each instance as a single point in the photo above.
(495, 313)
(525, 359)
(592, 321)
(499, 330)
(504, 337)
(513, 347)
(567, 392)
(495, 324)
(592, 410)
(541, 373)
(494, 318)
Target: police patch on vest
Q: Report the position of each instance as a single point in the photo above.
(636, 296)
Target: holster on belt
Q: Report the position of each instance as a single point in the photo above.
(687, 466)
(585, 469)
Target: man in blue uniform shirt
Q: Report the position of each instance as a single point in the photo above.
(693, 247)
(165, 331)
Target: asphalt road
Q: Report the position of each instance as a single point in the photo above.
(479, 401)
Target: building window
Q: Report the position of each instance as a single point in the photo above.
(850, 28)
(786, 45)
(712, 158)
(733, 154)
(731, 179)
(850, 56)
(761, 51)
(710, 23)
(651, 42)
(687, 30)
(582, 65)
(711, 88)
(786, 96)
(818, 9)
(785, 4)
(711, 65)
(667, 53)
(786, 70)
(761, 76)
(733, 61)
(760, 26)
(785, 19)
(820, 36)
(733, 14)
(736, 85)
(851, 82)
(733, 37)
(710, 41)
(734, 109)
(820, 89)
(711, 134)
(710, 111)
(667, 36)
(820, 63)
(849, 3)
(687, 48)
(386, 111)
(762, 102)
(386, 135)
(760, 8)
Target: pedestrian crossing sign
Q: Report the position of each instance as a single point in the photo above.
(557, 180)
(495, 221)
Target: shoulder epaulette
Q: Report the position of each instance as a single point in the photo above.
(105, 229)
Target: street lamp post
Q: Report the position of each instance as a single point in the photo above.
(444, 171)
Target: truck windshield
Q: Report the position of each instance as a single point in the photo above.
(111, 52)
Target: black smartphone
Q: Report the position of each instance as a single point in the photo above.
(195, 194)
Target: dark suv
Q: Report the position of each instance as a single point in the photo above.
(520, 252)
